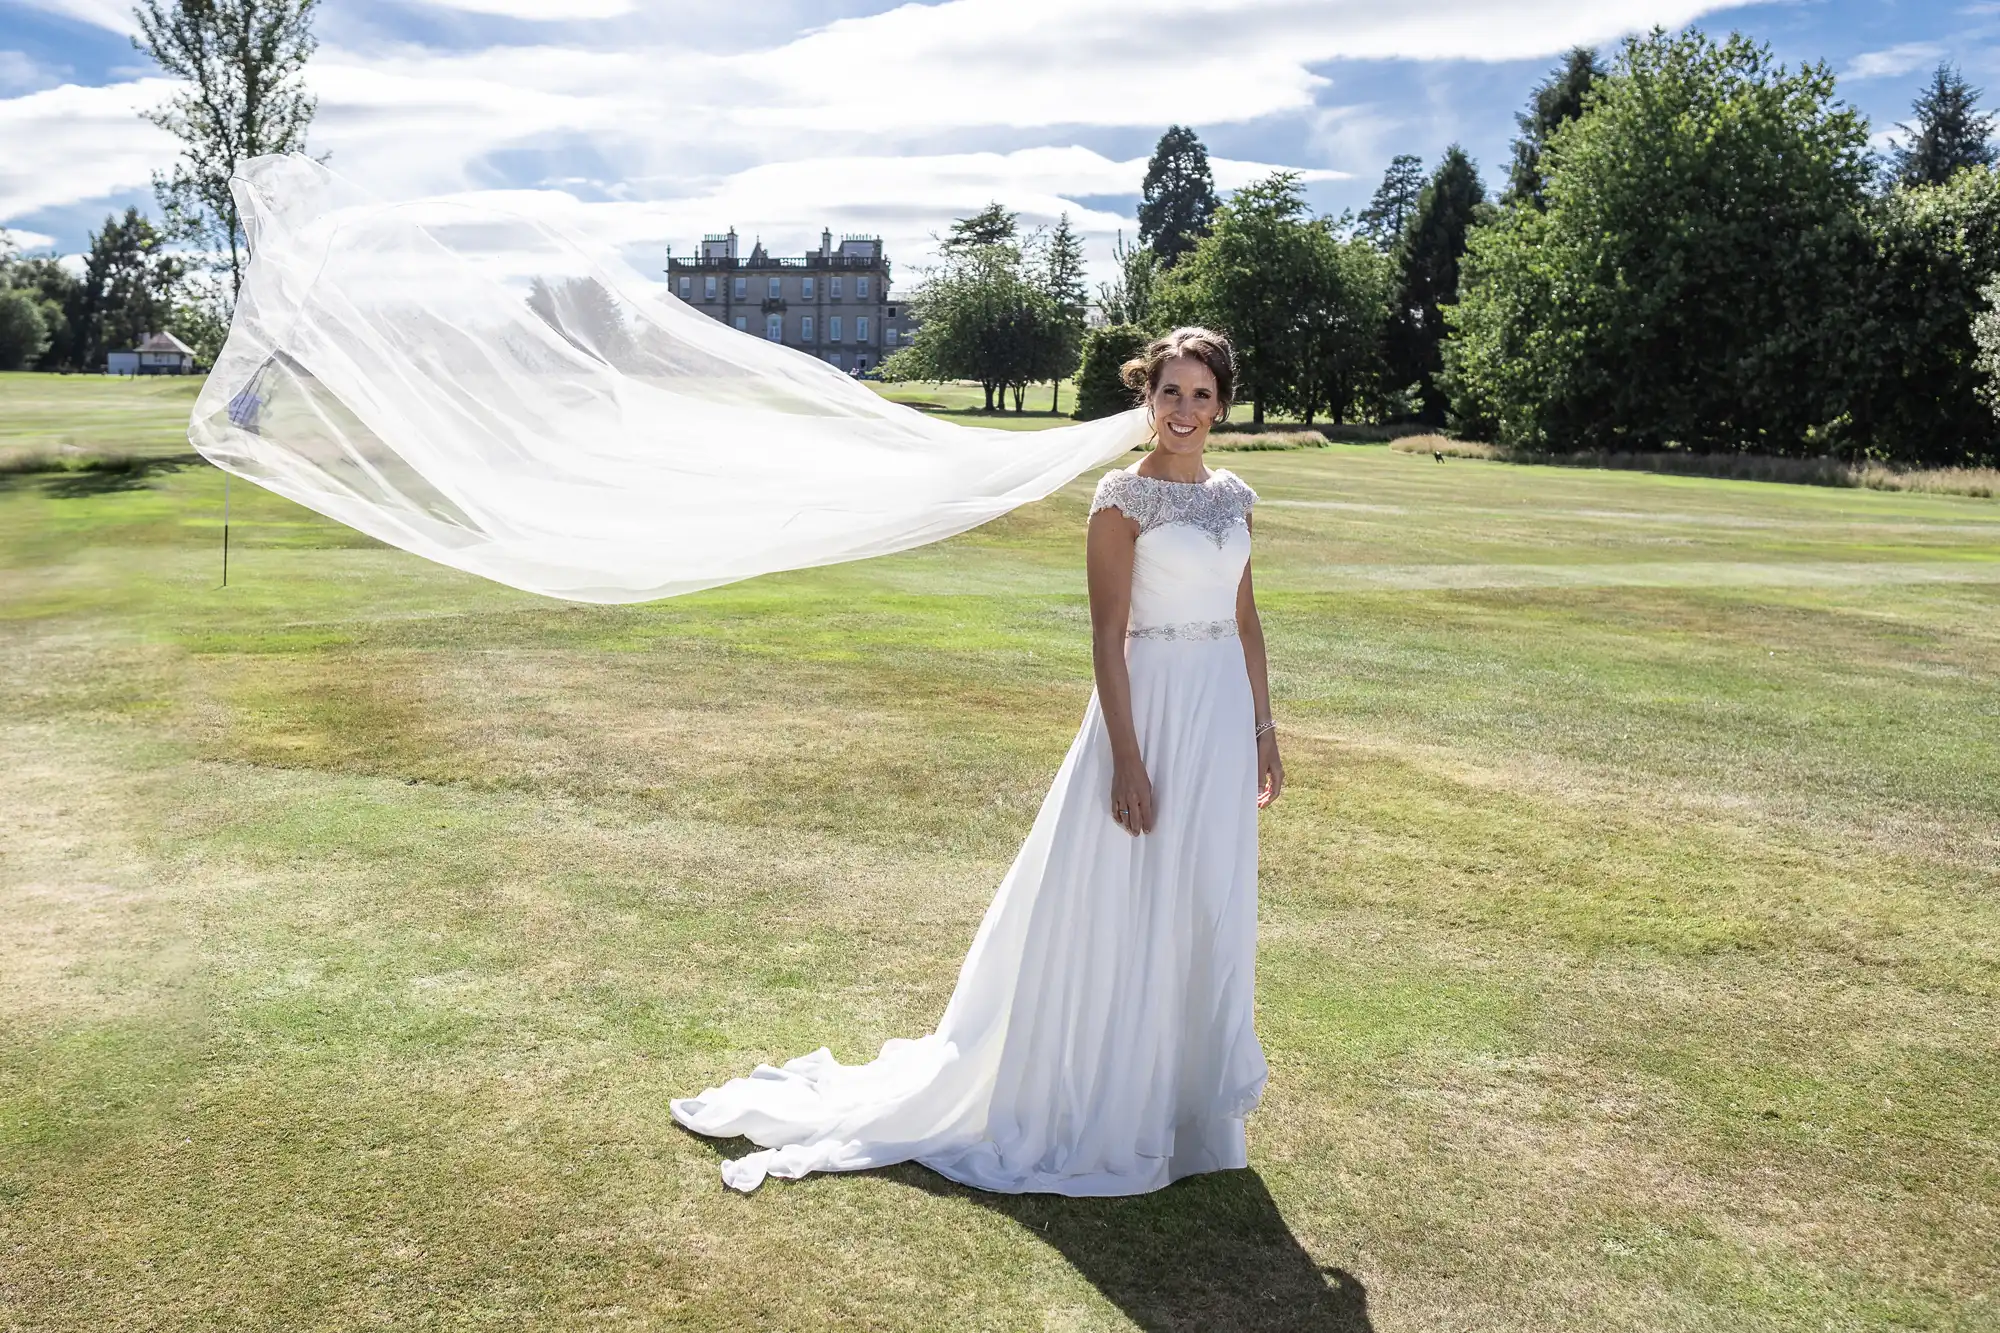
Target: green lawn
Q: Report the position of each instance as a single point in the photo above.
(1630, 927)
(964, 401)
(94, 414)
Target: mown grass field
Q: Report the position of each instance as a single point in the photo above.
(1629, 952)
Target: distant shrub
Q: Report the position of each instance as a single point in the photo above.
(1099, 390)
(1262, 440)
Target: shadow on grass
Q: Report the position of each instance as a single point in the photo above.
(99, 477)
(1208, 1252)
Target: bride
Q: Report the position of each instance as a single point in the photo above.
(1099, 1040)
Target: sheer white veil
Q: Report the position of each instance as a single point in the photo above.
(489, 390)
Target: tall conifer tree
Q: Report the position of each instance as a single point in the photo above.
(1432, 245)
(1178, 197)
(1395, 200)
(1950, 133)
(1557, 98)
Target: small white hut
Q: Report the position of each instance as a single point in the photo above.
(159, 354)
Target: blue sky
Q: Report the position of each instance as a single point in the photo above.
(651, 123)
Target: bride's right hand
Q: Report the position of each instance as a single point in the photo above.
(1132, 798)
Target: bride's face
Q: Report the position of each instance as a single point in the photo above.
(1184, 405)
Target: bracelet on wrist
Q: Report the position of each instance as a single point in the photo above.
(1264, 728)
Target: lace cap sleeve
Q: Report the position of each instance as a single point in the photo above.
(1121, 490)
(1245, 497)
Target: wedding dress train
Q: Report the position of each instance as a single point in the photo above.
(1100, 1037)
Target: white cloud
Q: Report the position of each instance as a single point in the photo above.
(542, 10)
(1894, 61)
(1032, 63)
(71, 144)
(669, 117)
(819, 122)
(902, 199)
(113, 14)
(27, 240)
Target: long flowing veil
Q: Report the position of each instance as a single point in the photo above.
(488, 390)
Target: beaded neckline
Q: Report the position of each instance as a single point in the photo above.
(1209, 480)
(1216, 506)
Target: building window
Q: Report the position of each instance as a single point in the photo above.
(774, 328)
(833, 287)
(741, 288)
(687, 287)
(861, 328)
(892, 312)
(833, 327)
(806, 326)
(860, 288)
(808, 293)
(743, 324)
(708, 288)
(888, 335)
(775, 293)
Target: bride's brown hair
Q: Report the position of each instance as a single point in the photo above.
(1142, 373)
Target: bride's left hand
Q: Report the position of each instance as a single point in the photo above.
(1270, 769)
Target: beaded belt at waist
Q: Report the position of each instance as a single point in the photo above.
(1187, 629)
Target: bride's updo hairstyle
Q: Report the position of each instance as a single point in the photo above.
(1142, 373)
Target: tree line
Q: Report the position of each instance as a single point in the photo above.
(240, 64)
(1694, 249)
(1711, 259)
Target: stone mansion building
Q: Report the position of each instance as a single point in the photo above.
(833, 303)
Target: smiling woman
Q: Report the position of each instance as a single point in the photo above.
(1100, 1038)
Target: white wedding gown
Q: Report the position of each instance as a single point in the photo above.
(1100, 1038)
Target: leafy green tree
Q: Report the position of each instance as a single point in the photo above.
(1950, 133)
(1059, 269)
(1700, 223)
(24, 335)
(1346, 313)
(983, 318)
(1245, 277)
(1389, 212)
(990, 226)
(1129, 298)
(201, 317)
(1100, 384)
(1557, 98)
(1433, 241)
(130, 285)
(242, 63)
(1911, 382)
(1177, 199)
(1986, 337)
(56, 294)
